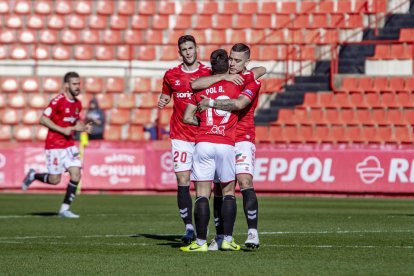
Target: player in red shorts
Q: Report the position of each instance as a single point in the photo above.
(61, 117)
(176, 85)
(214, 154)
(246, 104)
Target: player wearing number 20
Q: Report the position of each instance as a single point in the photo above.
(214, 154)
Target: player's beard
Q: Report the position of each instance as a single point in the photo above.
(74, 93)
(191, 62)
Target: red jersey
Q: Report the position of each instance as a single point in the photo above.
(63, 112)
(245, 126)
(176, 83)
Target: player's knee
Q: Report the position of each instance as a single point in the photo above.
(183, 180)
(245, 183)
(53, 179)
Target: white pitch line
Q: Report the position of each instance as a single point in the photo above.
(336, 232)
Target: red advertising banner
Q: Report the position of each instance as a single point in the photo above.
(7, 168)
(114, 169)
(334, 170)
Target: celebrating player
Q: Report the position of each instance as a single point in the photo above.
(61, 117)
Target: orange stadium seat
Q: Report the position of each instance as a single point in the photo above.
(22, 7)
(406, 35)
(337, 134)
(85, 99)
(113, 133)
(16, 101)
(51, 84)
(142, 85)
(341, 100)
(60, 52)
(114, 85)
(396, 84)
(308, 6)
(83, 52)
(141, 116)
(404, 99)
(409, 84)
(147, 7)
(63, 7)
(9, 84)
(97, 21)
(218, 37)
(27, 36)
(209, 8)
(5, 132)
(36, 22)
(382, 52)
(230, 8)
(105, 101)
(133, 37)
(136, 133)
(291, 134)
(395, 117)
(23, 133)
(3, 101)
(111, 37)
(334, 116)
(104, 52)
(286, 117)
(19, 52)
(153, 37)
(408, 116)
(166, 7)
(203, 22)
(31, 117)
(124, 52)
(38, 101)
(56, 22)
(48, 36)
(41, 133)
(403, 134)
(380, 84)
(182, 22)
(93, 85)
(160, 22)
(41, 52)
(89, 36)
(140, 22)
(388, 99)
(248, 7)
(353, 134)
(310, 100)
(263, 134)
(275, 37)
(165, 116)
(13, 21)
(243, 21)
(70, 37)
(320, 21)
(307, 135)
(316, 117)
(263, 21)
(223, 21)
(301, 21)
(282, 21)
(169, 52)
(30, 84)
(148, 100)
(9, 117)
(288, 8)
(77, 22)
(83, 6)
(146, 53)
(356, 100)
(118, 22)
(7, 36)
(326, 99)
(126, 7)
(119, 116)
(268, 8)
(43, 7)
(379, 116)
(4, 7)
(104, 7)
(126, 101)
(237, 35)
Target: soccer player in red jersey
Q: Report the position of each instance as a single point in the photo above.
(61, 117)
(214, 154)
(176, 85)
(246, 104)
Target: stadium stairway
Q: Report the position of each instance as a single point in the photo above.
(352, 59)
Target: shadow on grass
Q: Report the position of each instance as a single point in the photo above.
(171, 240)
(401, 215)
(44, 214)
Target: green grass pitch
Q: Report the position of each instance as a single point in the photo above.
(138, 235)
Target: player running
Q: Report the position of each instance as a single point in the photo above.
(61, 117)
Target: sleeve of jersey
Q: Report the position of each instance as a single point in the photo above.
(252, 89)
(51, 109)
(166, 88)
(248, 77)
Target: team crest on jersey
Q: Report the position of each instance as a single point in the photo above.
(67, 110)
(177, 83)
(248, 92)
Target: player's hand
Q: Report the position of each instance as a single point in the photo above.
(234, 78)
(162, 102)
(89, 127)
(79, 126)
(203, 105)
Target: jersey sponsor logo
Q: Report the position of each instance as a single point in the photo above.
(183, 95)
(248, 92)
(177, 83)
(370, 170)
(69, 119)
(67, 110)
(214, 90)
(240, 158)
(217, 130)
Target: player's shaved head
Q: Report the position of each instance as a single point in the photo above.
(219, 61)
